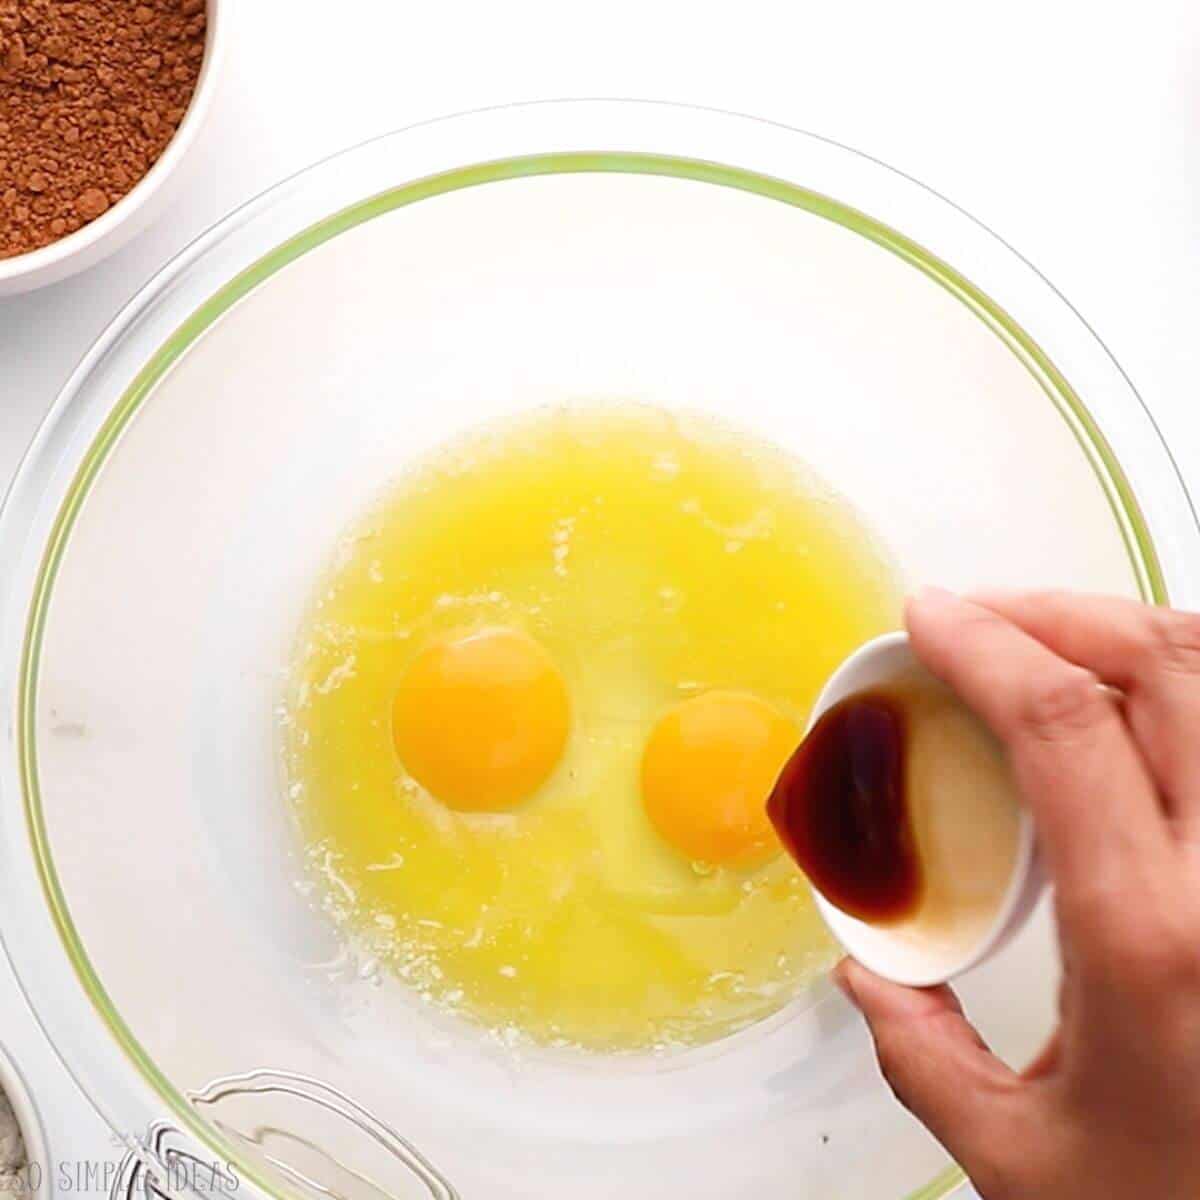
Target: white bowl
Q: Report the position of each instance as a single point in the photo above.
(925, 961)
(36, 1172)
(136, 209)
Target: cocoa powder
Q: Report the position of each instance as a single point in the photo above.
(91, 92)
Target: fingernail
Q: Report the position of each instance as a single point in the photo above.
(929, 600)
(841, 977)
(933, 595)
(983, 595)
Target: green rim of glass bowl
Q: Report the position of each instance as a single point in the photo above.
(1121, 499)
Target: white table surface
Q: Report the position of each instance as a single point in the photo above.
(1071, 128)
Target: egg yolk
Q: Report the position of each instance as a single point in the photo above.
(481, 718)
(707, 771)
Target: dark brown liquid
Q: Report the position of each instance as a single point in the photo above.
(841, 808)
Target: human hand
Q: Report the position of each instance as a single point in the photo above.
(1110, 1110)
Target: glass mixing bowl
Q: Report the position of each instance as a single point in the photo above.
(167, 525)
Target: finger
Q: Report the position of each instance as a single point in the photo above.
(934, 1061)
(1152, 654)
(1099, 823)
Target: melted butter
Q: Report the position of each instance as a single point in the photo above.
(654, 559)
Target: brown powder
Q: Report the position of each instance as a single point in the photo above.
(91, 92)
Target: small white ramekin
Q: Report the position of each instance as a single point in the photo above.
(134, 211)
(897, 956)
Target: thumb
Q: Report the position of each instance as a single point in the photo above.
(933, 1060)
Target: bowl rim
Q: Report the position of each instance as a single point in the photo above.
(55, 254)
(146, 1085)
